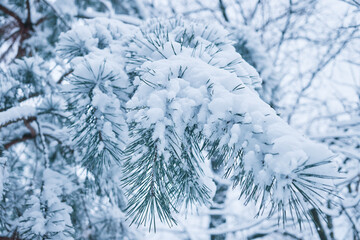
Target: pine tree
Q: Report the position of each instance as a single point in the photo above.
(125, 133)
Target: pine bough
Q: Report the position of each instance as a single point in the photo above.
(162, 98)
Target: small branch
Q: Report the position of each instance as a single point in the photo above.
(28, 119)
(319, 228)
(28, 126)
(40, 20)
(24, 138)
(255, 9)
(196, 11)
(353, 223)
(8, 27)
(28, 19)
(329, 220)
(43, 143)
(233, 229)
(12, 14)
(223, 10)
(323, 63)
(64, 76)
(284, 31)
(13, 237)
(32, 95)
(242, 12)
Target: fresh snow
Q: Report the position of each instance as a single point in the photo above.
(17, 113)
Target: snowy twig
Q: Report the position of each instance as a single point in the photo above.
(17, 114)
(64, 76)
(223, 10)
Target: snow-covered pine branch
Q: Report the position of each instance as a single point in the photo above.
(189, 90)
(97, 91)
(46, 215)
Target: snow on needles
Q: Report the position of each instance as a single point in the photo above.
(55, 222)
(193, 78)
(184, 84)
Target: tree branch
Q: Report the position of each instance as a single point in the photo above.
(323, 63)
(12, 14)
(25, 137)
(223, 10)
(28, 23)
(28, 119)
(28, 126)
(64, 76)
(319, 227)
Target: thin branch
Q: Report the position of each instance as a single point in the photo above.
(28, 118)
(196, 11)
(12, 35)
(25, 137)
(352, 222)
(284, 31)
(28, 126)
(233, 229)
(223, 10)
(12, 14)
(242, 12)
(28, 19)
(263, 234)
(64, 76)
(255, 9)
(319, 227)
(323, 63)
(40, 20)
